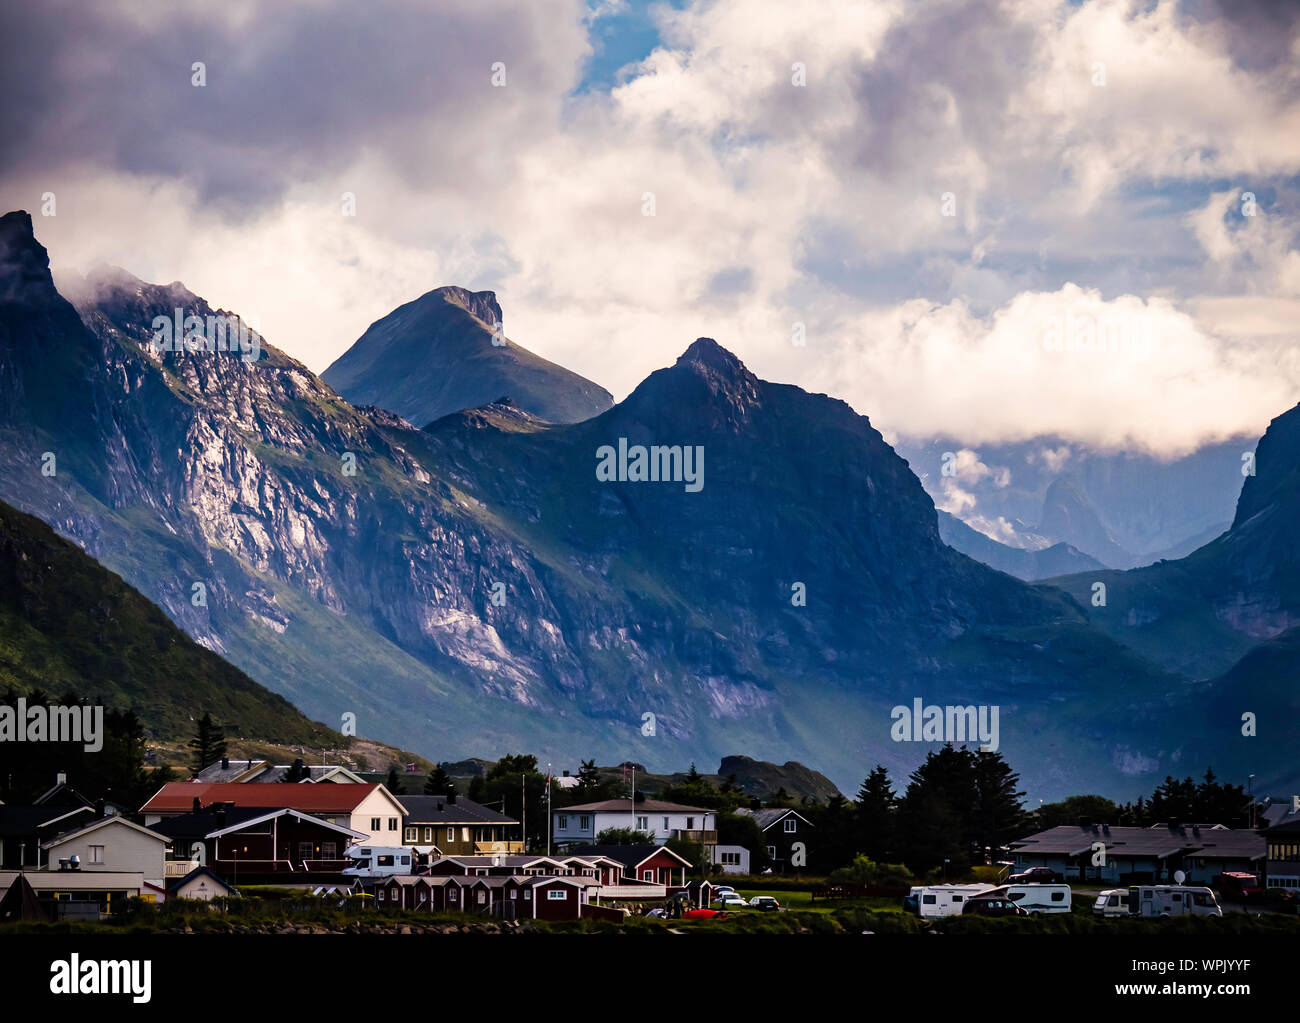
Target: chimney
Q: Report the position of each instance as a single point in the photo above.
(566, 774)
(451, 797)
(60, 779)
(440, 806)
(220, 810)
(1295, 804)
(225, 763)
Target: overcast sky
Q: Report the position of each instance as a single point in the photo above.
(1096, 158)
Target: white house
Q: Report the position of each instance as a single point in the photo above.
(734, 859)
(661, 821)
(112, 843)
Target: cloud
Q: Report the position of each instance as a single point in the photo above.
(774, 203)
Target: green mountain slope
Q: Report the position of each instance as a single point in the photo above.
(68, 624)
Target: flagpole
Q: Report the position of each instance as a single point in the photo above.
(523, 811)
(548, 809)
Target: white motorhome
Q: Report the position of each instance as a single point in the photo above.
(1172, 900)
(377, 861)
(1041, 898)
(1112, 902)
(938, 900)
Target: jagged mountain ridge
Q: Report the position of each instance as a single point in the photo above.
(438, 354)
(373, 592)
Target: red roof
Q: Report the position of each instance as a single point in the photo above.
(179, 796)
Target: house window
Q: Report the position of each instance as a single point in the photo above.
(584, 823)
(771, 852)
(304, 850)
(643, 823)
(392, 823)
(96, 854)
(554, 896)
(381, 895)
(411, 833)
(666, 824)
(482, 896)
(564, 823)
(428, 834)
(451, 834)
(452, 896)
(375, 823)
(647, 875)
(329, 850)
(690, 824)
(514, 893)
(791, 825)
(528, 895)
(421, 897)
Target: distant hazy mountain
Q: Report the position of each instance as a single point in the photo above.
(1030, 565)
(437, 355)
(1123, 508)
(1201, 613)
(480, 586)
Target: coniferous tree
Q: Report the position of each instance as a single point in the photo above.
(875, 809)
(393, 782)
(208, 745)
(438, 782)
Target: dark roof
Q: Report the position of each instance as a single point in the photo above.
(196, 872)
(27, 820)
(1211, 843)
(767, 817)
(436, 810)
(628, 855)
(206, 821)
(62, 794)
(20, 902)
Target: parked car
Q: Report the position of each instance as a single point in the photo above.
(729, 900)
(723, 889)
(764, 902)
(1040, 875)
(658, 913)
(703, 914)
(992, 905)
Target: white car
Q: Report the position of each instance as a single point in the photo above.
(729, 900)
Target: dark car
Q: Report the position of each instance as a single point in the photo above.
(1037, 875)
(992, 905)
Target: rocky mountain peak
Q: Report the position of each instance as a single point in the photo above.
(482, 304)
(24, 262)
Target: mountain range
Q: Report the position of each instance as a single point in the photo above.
(477, 585)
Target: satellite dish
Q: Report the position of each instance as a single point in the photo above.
(1179, 876)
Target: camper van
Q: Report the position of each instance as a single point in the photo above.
(1112, 902)
(1172, 900)
(938, 900)
(377, 861)
(1041, 898)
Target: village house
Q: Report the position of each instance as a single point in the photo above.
(783, 830)
(1127, 855)
(251, 844)
(111, 843)
(200, 883)
(24, 829)
(582, 824)
(1282, 842)
(733, 859)
(454, 826)
(653, 864)
(370, 810)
